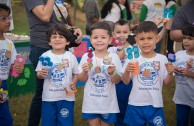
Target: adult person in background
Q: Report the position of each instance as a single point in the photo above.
(41, 17)
(8, 3)
(92, 14)
(150, 10)
(182, 17)
(127, 8)
(112, 11)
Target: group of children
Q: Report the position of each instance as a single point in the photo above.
(109, 95)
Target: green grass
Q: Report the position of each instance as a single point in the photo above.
(19, 106)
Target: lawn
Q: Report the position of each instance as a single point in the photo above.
(20, 105)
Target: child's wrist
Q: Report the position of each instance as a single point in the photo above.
(113, 74)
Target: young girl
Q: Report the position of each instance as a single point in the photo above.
(184, 77)
(59, 70)
(101, 74)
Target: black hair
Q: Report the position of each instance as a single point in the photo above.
(121, 22)
(5, 7)
(129, 16)
(188, 30)
(147, 26)
(102, 25)
(60, 29)
(108, 6)
(168, 1)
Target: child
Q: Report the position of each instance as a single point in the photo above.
(121, 30)
(7, 57)
(145, 100)
(100, 102)
(184, 77)
(57, 72)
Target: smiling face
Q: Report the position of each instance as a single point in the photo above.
(122, 32)
(147, 42)
(58, 42)
(100, 39)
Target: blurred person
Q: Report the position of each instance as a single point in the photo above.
(112, 11)
(150, 10)
(92, 14)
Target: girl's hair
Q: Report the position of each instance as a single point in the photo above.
(147, 26)
(129, 16)
(168, 1)
(188, 30)
(5, 7)
(108, 6)
(102, 25)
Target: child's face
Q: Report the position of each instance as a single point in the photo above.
(100, 39)
(147, 41)
(122, 32)
(58, 42)
(188, 43)
(4, 20)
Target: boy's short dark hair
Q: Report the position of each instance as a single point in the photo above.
(147, 26)
(60, 29)
(102, 25)
(188, 30)
(5, 7)
(121, 22)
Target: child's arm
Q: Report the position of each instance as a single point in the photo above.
(75, 79)
(42, 74)
(170, 69)
(126, 76)
(83, 76)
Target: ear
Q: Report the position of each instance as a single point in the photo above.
(158, 38)
(49, 43)
(110, 41)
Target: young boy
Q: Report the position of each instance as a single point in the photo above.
(7, 57)
(59, 70)
(100, 102)
(121, 30)
(184, 77)
(145, 101)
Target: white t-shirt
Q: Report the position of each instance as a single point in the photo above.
(184, 91)
(99, 92)
(147, 90)
(115, 13)
(155, 8)
(53, 88)
(5, 62)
